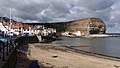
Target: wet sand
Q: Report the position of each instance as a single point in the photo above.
(55, 56)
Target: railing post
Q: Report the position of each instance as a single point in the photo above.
(7, 48)
(3, 56)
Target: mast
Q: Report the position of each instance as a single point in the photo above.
(10, 19)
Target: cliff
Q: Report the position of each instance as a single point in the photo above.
(87, 26)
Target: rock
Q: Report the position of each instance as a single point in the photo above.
(55, 56)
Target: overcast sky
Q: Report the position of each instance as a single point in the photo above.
(63, 10)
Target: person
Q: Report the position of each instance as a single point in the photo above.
(34, 64)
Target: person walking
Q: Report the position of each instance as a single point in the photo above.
(34, 64)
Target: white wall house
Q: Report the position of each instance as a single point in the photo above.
(77, 33)
(2, 28)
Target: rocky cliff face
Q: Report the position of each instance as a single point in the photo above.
(87, 26)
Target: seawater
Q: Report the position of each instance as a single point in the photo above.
(109, 46)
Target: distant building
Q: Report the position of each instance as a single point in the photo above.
(17, 27)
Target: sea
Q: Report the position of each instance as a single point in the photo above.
(109, 46)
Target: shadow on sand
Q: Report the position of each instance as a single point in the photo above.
(23, 61)
(22, 48)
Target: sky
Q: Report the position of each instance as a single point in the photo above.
(30, 11)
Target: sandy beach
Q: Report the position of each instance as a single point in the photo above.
(55, 56)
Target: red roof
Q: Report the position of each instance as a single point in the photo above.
(15, 27)
(5, 24)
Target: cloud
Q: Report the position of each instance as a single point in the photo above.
(95, 4)
(63, 10)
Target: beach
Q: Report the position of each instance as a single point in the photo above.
(55, 56)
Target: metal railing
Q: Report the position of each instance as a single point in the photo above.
(5, 49)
